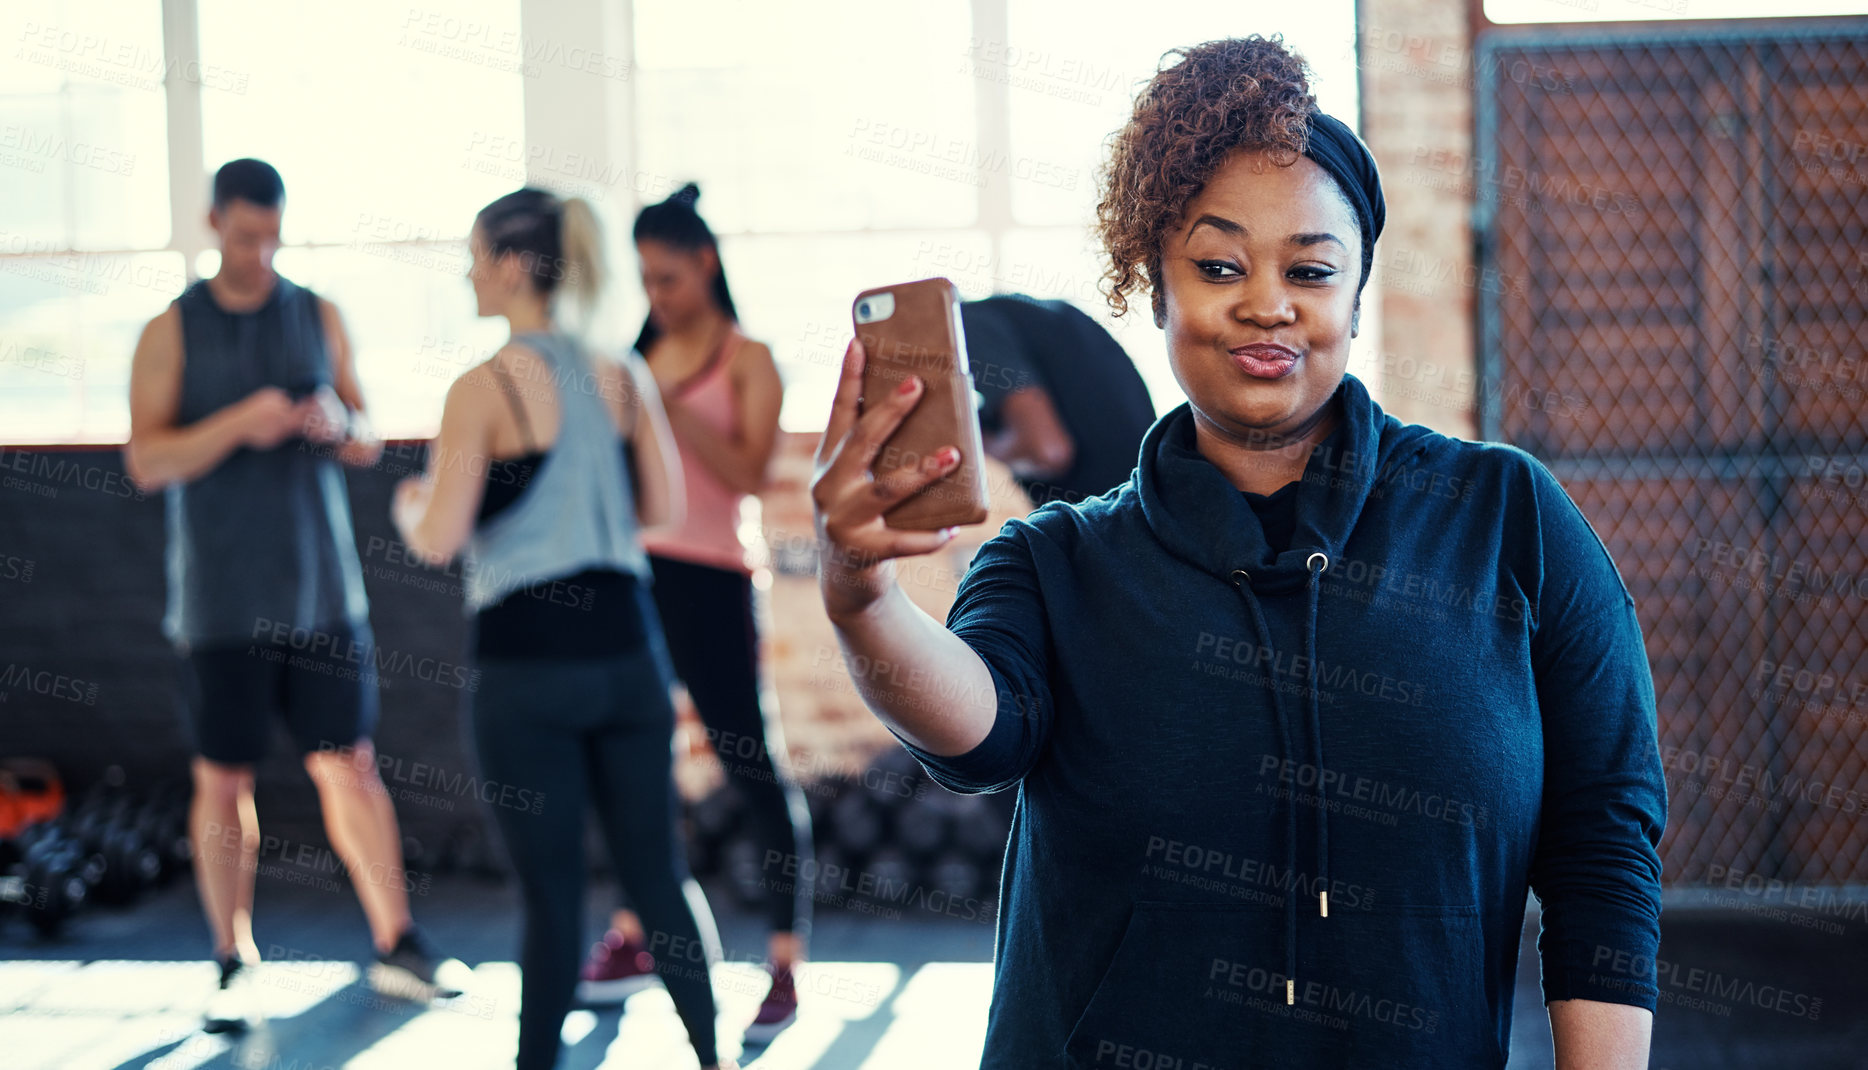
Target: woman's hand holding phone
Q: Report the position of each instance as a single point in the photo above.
(849, 501)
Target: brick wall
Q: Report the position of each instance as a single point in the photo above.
(1417, 72)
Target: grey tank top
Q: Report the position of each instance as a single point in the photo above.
(265, 537)
(578, 511)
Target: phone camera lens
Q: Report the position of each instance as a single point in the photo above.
(863, 309)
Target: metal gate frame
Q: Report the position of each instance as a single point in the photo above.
(1771, 468)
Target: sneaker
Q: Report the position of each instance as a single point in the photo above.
(415, 970)
(616, 969)
(779, 1010)
(231, 1005)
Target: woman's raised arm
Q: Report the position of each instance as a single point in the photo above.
(922, 680)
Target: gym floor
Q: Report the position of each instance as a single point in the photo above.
(124, 989)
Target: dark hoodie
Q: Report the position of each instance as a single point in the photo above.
(1282, 809)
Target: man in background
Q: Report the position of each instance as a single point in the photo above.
(243, 402)
(1063, 405)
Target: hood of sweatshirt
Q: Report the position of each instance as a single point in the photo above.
(1200, 517)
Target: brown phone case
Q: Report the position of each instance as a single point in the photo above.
(923, 337)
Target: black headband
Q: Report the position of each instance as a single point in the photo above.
(1338, 150)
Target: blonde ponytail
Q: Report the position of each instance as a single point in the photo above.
(581, 239)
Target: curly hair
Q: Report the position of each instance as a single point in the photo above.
(1250, 92)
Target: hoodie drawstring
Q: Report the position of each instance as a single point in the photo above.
(1314, 565)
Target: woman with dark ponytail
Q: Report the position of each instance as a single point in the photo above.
(722, 394)
(550, 464)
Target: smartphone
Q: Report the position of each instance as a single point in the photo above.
(913, 328)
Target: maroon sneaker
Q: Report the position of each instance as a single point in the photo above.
(616, 969)
(779, 1010)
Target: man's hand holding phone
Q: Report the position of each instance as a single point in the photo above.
(326, 418)
(267, 417)
(848, 499)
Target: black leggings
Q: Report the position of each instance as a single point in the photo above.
(712, 633)
(554, 737)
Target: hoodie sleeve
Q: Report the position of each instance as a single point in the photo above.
(1596, 870)
(999, 613)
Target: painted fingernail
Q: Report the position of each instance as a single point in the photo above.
(947, 455)
(908, 386)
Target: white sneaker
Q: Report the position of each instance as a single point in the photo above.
(230, 1009)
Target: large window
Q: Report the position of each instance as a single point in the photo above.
(838, 145)
(841, 145)
(1512, 11)
(376, 120)
(84, 218)
(378, 117)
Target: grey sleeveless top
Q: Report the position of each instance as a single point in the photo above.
(579, 509)
(265, 536)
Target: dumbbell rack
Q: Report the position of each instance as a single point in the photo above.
(111, 848)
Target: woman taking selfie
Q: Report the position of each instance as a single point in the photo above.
(531, 476)
(722, 394)
(1299, 713)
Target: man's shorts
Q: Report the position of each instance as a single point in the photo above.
(322, 681)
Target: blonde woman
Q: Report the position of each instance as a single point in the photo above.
(549, 465)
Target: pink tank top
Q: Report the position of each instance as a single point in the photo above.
(710, 533)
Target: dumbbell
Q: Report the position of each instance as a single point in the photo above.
(718, 816)
(857, 821)
(469, 851)
(132, 861)
(120, 862)
(890, 873)
(746, 876)
(51, 883)
(12, 891)
(65, 830)
(832, 866)
(980, 828)
(163, 821)
(31, 834)
(956, 875)
(923, 828)
(703, 858)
